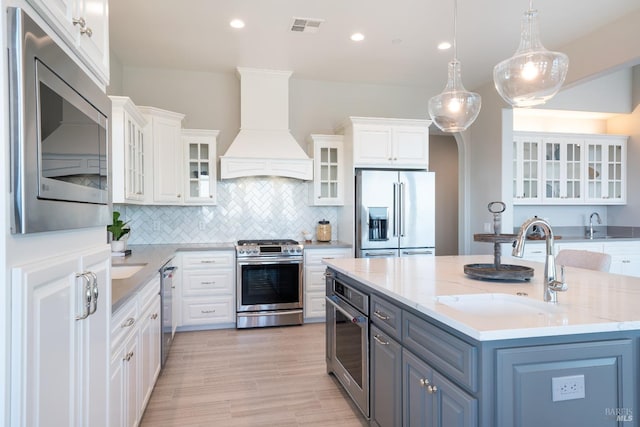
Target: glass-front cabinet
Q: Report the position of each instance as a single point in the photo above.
(327, 187)
(606, 170)
(563, 168)
(526, 169)
(200, 157)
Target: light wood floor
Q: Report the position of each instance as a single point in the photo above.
(250, 377)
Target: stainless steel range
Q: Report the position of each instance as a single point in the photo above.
(269, 281)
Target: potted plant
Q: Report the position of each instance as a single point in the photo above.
(118, 232)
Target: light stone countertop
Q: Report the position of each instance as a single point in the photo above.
(594, 302)
(155, 256)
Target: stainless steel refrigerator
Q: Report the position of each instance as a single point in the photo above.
(395, 213)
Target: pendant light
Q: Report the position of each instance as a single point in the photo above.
(455, 108)
(533, 75)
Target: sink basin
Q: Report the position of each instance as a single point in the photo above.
(496, 304)
(125, 271)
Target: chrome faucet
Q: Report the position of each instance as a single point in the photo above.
(552, 286)
(591, 223)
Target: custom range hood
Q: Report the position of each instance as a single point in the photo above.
(264, 145)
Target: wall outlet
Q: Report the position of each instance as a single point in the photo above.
(156, 226)
(201, 225)
(488, 227)
(567, 388)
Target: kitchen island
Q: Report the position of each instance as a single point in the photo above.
(455, 351)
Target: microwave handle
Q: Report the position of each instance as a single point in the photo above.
(335, 302)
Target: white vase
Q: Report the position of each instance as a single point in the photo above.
(118, 245)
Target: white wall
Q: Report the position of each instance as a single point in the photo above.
(443, 160)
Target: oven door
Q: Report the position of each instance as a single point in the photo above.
(269, 284)
(349, 335)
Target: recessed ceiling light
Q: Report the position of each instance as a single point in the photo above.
(237, 23)
(444, 45)
(357, 37)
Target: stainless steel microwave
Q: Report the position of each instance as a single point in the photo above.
(60, 135)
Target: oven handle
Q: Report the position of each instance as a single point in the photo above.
(339, 305)
(268, 261)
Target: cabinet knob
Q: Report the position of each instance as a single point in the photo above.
(178, 195)
(431, 389)
(129, 322)
(79, 21)
(424, 382)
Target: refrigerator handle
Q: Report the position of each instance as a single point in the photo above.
(396, 194)
(401, 209)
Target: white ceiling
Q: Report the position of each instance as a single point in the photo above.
(399, 48)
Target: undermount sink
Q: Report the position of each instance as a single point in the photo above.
(125, 271)
(496, 304)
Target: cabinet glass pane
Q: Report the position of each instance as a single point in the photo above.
(193, 170)
(324, 189)
(333, 189)
(324, 173)
(204, 152)
(333, 176)
(193, 151)
(333, 155)
(324, 155)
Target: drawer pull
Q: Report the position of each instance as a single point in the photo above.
(380, 315)
(207, 311)
(207, 283)
(129, 322)
(128, 356)
(207, 261)
(154, 316)
(379, 340)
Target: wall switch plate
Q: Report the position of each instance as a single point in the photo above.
(567, 388)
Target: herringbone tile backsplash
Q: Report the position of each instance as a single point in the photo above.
(248, 208)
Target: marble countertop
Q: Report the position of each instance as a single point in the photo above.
(155, 256)
(594, 302)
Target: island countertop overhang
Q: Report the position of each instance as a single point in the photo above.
(595, 301)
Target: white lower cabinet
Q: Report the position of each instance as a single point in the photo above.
(135, 355)
(314, 282)
(60, 341)
(208, 291)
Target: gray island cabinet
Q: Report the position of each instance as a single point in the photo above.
(438, 360)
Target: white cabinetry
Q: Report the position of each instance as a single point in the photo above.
(84, 26)
(389, 143)
(200, 153)
(314, 281)
(163, 133)
(60, 341)
(208, 289)
(606, 170)
(526, 169)
(625, 257)
(128, 168)
(557, 169)
(562, 170)
(135, 355)
(327, 188)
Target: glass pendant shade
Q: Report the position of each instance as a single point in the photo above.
(533, 75)
(455, 109)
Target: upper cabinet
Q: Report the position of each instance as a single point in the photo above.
(557, 169)
(84, 26)
(200, 153)
(128, 171)
(606, 170)
(163, 132)
(389, 143)
(327, 187)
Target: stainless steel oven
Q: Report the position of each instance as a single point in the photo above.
(348, 339)
(59, 130)
(269, 283)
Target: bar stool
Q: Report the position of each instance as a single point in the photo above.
(584, 259)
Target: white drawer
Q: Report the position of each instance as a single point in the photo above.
(314, 305)
(314, 279)
(147, 294)
(199, 311)
(315, 256)
(208, 259)
(208, 282)
(123, 322)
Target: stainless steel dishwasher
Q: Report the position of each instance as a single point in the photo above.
(166, 295)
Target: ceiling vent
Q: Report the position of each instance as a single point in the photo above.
(306, 25)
